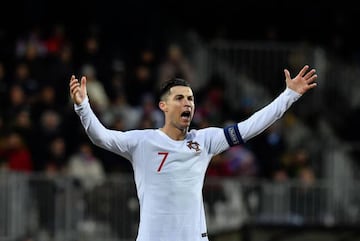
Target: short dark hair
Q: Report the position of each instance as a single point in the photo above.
(167, 85)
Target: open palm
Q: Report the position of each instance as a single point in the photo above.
(303, 81)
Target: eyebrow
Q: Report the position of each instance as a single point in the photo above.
(179, 95)
(182, 95)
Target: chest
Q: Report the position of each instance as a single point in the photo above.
(186, 159)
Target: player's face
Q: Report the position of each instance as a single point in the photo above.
(180, 107)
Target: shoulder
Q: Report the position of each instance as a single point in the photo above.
(205, 131)
(141, 132)
(136, 136)
(138, 133)
(213, 139)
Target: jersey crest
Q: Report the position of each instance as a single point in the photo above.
(193, 145)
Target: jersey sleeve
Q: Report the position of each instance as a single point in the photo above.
(266, 116)
(112, 140)
(221, 139)
(215, 140)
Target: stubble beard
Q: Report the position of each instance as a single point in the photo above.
(182, 128)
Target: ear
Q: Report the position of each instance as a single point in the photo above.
(162, 106)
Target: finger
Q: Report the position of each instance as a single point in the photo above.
(303, 70)
(73, 80)
(312, 78)
(74, 91)
(74, 86)
(309, 74)
(313, 85)
(287, 74)
(310, 86)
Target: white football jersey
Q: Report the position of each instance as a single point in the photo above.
(169, 174)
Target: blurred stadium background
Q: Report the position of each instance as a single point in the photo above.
(299, 180)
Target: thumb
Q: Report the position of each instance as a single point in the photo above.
(287, 78)
(287, 74)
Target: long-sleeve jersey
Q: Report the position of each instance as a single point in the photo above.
(169, 174)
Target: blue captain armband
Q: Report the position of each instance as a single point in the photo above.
(232, 135)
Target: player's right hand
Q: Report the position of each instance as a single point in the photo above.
(78, 90)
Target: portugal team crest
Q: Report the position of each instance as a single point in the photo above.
(193, 145)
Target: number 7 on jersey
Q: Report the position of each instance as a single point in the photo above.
(165, 154)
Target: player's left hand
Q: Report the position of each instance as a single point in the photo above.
(303, 81)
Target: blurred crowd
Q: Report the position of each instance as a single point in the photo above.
(40, 132)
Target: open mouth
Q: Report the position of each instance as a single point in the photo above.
(186, 115)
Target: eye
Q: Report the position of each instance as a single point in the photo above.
(178, 97)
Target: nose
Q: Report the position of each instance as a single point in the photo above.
(187, 102)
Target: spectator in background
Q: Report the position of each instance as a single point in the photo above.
(23, 124)
(148, 57)
(241, 161)
(120, 109)
(32, 51)
(57, 156)
(17, 101)
(306, 199)
(3, 162)
(4, 82)
(48, 127)
(237, 161)
(176, 64)
(142, 75)
(55, 40)
(16, 154)
(96, 88)
(92, 53)
(149, 111)
(23, 78)
(59, 66)
(212, 103)
(139, 84)
(117, 84)
(269, 148)
(46, 101)
(32, 38)
(85, 167)
(46, 189)
(296, 160)
(280, 175)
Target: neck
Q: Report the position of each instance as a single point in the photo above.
(176, 134)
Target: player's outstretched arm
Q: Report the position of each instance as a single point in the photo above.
(96, 131)
(303, 81)
(263, 118)
(78, 90)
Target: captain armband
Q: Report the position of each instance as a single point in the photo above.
(232, 135)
